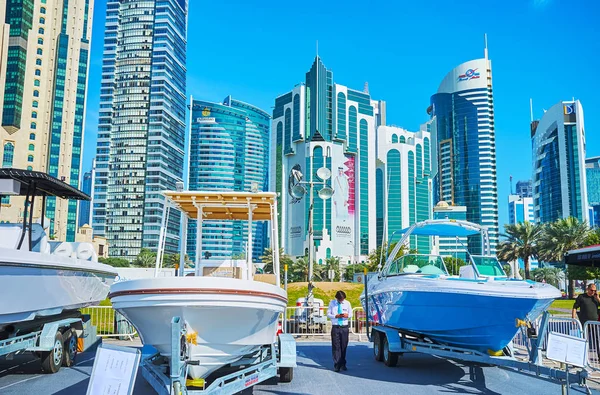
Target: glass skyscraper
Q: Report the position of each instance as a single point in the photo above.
(44, 58)
(84, 205)
(229, 147)
(464, 146)
(592, 170)
(403, 183)
(559, 177)
(323, 124)
(141, 130)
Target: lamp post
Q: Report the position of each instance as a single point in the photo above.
(298, 191)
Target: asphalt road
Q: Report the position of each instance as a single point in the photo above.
(415, 374)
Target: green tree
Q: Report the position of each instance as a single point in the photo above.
(284, 259)
(561, 236)
(333, 263)
(549, 275)
(298, 270)
(115, 262)
(145, 258)
(380, 253)
(453, 265)
(522, 242)
(351, 269)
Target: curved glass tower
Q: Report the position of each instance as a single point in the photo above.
(229, 148)
(559, 176)
(464, 146)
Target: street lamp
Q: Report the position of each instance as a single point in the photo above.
(298, 191)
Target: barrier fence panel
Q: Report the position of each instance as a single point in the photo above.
(110, 323)
(563, 325)
(307, 321)
(592, 333)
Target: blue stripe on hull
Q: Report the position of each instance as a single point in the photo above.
(472, 321)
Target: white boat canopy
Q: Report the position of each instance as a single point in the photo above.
(443, 228)
(224, 206)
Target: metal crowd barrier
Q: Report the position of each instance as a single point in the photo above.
(110, 323)
(307, 321)
(591, 330)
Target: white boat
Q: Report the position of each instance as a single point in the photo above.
(475, 310)
(40, 278)
(226, 318)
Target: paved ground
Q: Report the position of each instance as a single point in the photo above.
(415, 374)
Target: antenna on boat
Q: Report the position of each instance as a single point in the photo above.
(385, 227)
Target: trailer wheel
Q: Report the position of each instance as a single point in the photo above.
(377, 346)
(286, 375)
(389, 358)
(52, 360)
(70, 347)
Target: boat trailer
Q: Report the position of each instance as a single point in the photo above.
(168, 375)
(57, 341)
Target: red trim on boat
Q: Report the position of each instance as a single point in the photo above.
(195, 291)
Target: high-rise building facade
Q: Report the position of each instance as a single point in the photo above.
(559, 177)
(83, 217)
(229, 148)
(524, 188)
(403, 183)
(464, 146)
(44, 59)
(323, 124)
(520, 209)
(141, 132)
(592, 173)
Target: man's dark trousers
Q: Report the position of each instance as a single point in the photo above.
(339, 344)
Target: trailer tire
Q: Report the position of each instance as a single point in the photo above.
(389, 358)
(70, 347)
(52, 360)
(377, 346)
(286, 375)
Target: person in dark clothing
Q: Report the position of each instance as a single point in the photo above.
(338, 312)
(587, 304)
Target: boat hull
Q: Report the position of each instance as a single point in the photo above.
(227, 318)
(38, 285)
(478, 315)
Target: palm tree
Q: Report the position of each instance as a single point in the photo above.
(146, 258)
(333, 263)
(267, 259)
(550, 275)
(522, 243)
(561, 236)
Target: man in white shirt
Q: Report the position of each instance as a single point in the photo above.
(338, 312)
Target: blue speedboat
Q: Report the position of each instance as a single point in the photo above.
(475, 310)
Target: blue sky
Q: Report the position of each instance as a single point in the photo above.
(547, 50)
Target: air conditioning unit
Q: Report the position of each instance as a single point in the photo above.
(10, 187)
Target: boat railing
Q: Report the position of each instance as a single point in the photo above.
(416, 264)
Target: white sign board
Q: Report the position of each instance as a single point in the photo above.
(114, 370)
(567, 349)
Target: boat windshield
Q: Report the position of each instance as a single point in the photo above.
(488, 265)
(417, 264)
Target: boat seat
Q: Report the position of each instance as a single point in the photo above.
(466, 272)
(410, 269)
(86, 251)
(10, 234)
(431, 269)
(62, 248)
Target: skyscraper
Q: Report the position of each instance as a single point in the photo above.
(520, 209)
(229, 147)
(83, 217)
(559, 179)
(592, 172)
(464, 145)
(323, 124)
(403, 183)
(524, 189)
(141, 130)
(44, 58)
